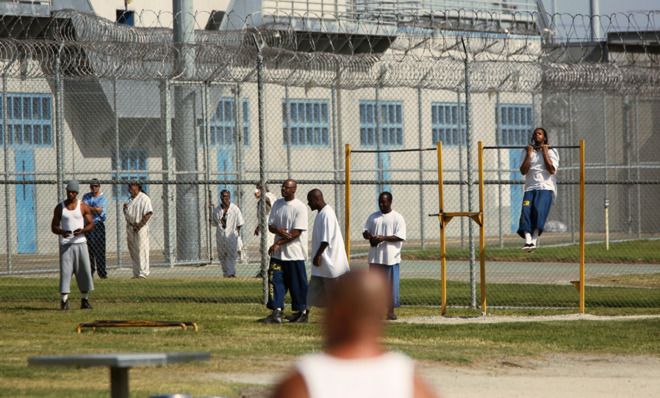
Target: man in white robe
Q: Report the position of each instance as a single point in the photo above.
(138, 212)
(228, 219)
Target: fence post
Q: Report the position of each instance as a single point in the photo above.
(116, 187)
(206, 111)
(6, 173)
(59, 126)
(468, 130)
(287, 120)
(335, 147)
(168, 216)
(420, 138)
(262, 170)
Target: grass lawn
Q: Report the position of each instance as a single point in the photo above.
(32, 325)
(641, 252)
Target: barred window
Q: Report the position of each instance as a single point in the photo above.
(29, 120)
(223, 123)
(390, 123)
(448, 124)
(306, 123)
(133, 166)
(515, 123)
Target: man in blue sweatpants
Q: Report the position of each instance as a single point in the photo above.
(288, 222)
(539, 168)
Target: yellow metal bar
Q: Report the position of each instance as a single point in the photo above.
(443, 248)
(482, 231)
(582, 281)
(347, 203)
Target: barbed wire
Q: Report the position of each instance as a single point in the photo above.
(424, 50)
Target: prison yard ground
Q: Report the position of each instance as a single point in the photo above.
(556, 354)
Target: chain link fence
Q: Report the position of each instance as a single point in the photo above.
(113, 103)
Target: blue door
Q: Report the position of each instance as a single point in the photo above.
(516, 191)
(26, 220)
(225, 161)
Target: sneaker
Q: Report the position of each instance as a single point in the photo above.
(392, 316)
(532, 247)
(64, 305)
(527, 247)
(274, 317)
(299, 317)
(84, 304)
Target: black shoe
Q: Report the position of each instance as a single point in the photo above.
(64, 305)
(392, 316)
(299, 317)
(274, 317)
(84, 304)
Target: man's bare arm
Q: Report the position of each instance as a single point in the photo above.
(55, 222)
(292, 387)
(421, 389)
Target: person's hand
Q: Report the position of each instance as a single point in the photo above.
(256, 231)
(544, 148)
(284, 233)
(77, 232)
(273, 249)
(366, 235)
(66, 234)
(136, 227)
(375, 240)
(317, 260)
(530, 149)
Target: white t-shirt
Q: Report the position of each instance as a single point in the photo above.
(137, 208)
(538, 177)
(334, 262)
(390, 224)
(290, 215)
(388, 375)
(234, 220)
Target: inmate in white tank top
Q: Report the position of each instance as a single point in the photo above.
(72, 220)
(389, 375)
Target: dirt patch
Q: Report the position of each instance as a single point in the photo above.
(440, 320)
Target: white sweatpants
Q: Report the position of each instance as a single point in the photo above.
(138, 247)
(227, 253)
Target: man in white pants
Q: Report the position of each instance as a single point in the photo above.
(138, 212)
(72, 219)
(329, 259)
(228, 219)
(354, 362)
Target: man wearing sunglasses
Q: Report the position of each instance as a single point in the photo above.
(97, 203)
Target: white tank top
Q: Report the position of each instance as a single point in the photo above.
(72, 220)
(389, 375)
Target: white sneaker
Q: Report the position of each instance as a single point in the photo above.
(531, 247)
(527, 247)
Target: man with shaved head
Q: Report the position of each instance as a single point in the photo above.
(329, 255)
(354, 362)
(288, 221)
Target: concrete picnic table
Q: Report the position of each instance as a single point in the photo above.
(119, 364)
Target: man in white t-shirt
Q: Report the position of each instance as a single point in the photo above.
(288, 221)
(354, 362)
(329, 259)
(539, 168)
(386, 230)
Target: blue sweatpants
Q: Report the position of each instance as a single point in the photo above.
(535, 209)
(391, 272)
(286, 276)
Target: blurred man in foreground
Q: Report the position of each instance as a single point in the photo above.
(354, 363)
